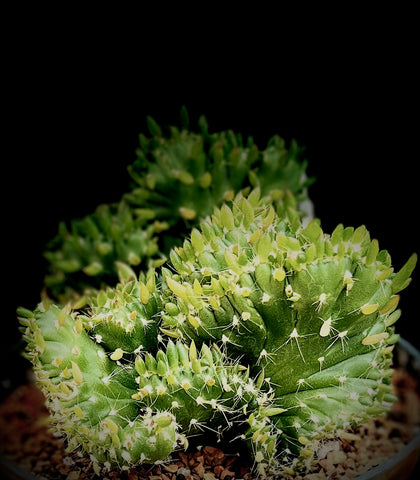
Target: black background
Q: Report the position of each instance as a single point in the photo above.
(73, 116)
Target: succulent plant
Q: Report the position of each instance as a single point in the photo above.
(89, 393)
(177, 180)
(125, 317)
(111, 396)
(83, 255)
(259, 320)
(315, 312)
(182, 176)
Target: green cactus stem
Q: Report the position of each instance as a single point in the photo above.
(182, 176)
(262, 438)
(177, 180)
(89, 395)
(116, 401)
(212, 291)
(315, 311)
(310, 315)
(125, 318)
(84, 255)
(203, 389)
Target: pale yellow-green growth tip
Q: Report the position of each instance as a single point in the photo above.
(228, 196)
(187, 213)
(368, 309)
(77, 373)
(374, 339)
(117, 354)
(144, 294)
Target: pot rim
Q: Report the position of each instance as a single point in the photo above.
(17, 473)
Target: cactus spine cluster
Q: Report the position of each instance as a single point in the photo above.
(260, 323)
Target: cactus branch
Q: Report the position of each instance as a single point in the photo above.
(177, 179)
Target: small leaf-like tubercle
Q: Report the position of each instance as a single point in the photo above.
(402, 278)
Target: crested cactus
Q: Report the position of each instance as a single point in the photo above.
(89, 393)
(183, 176)
(84, 254)
(112, 397)
(315, 312)
(202, 388)
(310, 314)
(259, 321)
(211, 293)
(177, 180)
(125, 318)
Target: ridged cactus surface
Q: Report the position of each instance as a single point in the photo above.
(315, 311)
(124, 395)
(89, 393)
(214, 286)
(125, 317)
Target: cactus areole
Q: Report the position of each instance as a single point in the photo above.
(260, 322)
